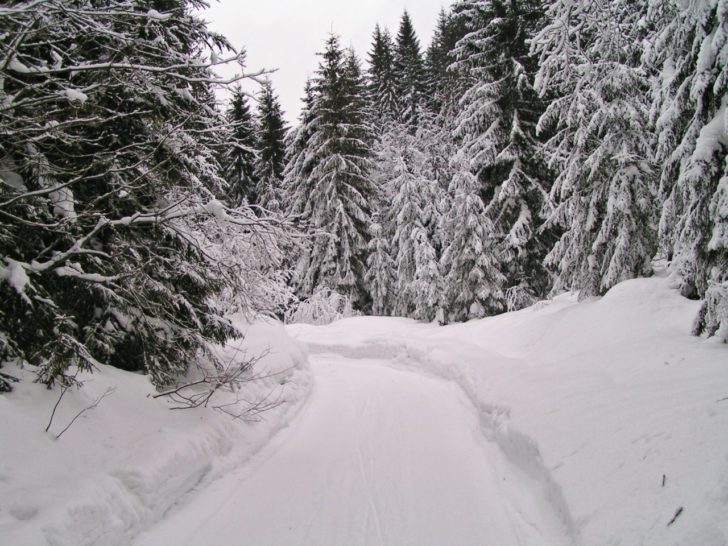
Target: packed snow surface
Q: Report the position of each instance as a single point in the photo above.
(614, 410)
(380, 456)
(595, 423)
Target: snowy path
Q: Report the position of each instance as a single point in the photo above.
(378, 456)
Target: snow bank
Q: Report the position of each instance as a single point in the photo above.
(123, 465)
(611, 406)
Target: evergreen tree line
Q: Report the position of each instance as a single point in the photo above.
(535, 146)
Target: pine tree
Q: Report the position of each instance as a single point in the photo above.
(335, 189)
(434, 140)
(603, 196)
(382, 85)
(270, 138)
(496, 131)
(410, 72)
(240, 154)
(472, 279)
(690, 51)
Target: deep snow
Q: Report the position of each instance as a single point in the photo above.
(589, 423)
(122, 466)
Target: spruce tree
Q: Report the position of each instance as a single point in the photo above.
(382, 84)
(240, 155)
(331, 183)
(379, 277)
(442, 83)
(603, 197)
(410, 72)
(401, 171)
(496, 132)
(297, 184)
(270, 138)
(472, 279)
(105, 152)
(689, 50)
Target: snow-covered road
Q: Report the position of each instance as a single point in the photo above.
(378, 456)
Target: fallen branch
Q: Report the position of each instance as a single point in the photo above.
(253, 410)
(198, 393)
(95, 403)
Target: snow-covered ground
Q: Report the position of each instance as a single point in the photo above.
(610, 405)
(121, 466)
(380, 456)
(594, 423)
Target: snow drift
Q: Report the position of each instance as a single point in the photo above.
(121, 466)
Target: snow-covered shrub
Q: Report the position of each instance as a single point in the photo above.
(713, 317)
(322, 307)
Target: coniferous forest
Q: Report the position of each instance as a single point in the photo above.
(531, 147)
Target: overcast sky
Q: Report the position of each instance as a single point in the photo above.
(287, 34)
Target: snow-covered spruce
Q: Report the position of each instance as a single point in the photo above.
(381, 79)
(495, 129)
(599, 145)
(240, 154)
(270, 144)
(410, 76)
(402, 171)
(473, 282)
(113, 165)
(379, 277)
(329, 182)
(689, 52)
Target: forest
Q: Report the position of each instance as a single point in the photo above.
(531, 148)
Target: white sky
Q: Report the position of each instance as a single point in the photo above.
(287, 34)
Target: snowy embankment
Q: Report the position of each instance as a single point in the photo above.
(121, 466)
(618, 416)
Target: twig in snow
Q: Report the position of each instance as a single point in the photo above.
(55, 407)
(677, 514)
(253, 411)
(96, 402)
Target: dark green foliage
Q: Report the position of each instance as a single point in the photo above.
(382, 84)
(270, 143)
(442, 84)
(105, 142)
(240, 154)
(409, 71)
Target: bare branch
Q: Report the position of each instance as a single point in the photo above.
(95, 403)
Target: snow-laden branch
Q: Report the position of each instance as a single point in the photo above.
(168, 70)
